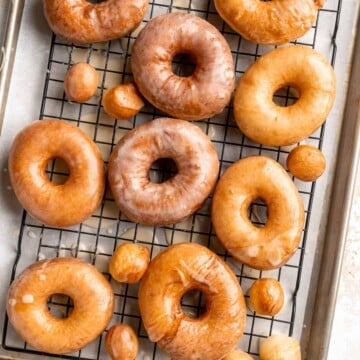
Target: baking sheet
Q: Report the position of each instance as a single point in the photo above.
(37, 241)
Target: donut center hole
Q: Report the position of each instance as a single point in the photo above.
(60, 305)
(193, 303)
(183, 64)
(162, 170)
(95, 1)
(258, 213)
(286, 96)
(57, 171)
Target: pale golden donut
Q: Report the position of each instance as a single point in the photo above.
(150, 203)
(238, 355)
(280, 347)
(306, 162)
(83, 283)
(266, 296)
(81, 22)
(249, 179)
(201, 95)
(53, 204)
(121, 342)
(301, 67)
(129, 263)
(269, 22)
(80, 82)
(175, 271)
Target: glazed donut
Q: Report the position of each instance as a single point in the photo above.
(175, 271)
(306, 162)
(83, 283)
(249, 179)
(238, 355)
(280, 347)
(301, 67)
(81, 22)
(201, 95)
(150, 203)
(269, 22)
(52, 204)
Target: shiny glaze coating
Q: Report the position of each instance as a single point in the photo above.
(249, 179)
(201, 95)
(52, 204)
(272, 22)
(82, 22)
(306, 162)
(175, 271)
(28, 313)
(121, 342)
(238, 355)
(266, 296)
(301, 67)
(172, 201)
(129, 263)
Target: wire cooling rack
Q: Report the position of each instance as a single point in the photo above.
(96, 239)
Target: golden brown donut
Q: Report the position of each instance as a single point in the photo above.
(80, 82)
(306, 162)
(266, 296)
(249, 179)
(122, 101)
(129, 263)
(301, 67)
(121, 342)
(82, 22)
(52, 204)
(83, 283)
(201, 95)
(175, 271)
(269, 22)
(280, 347)
(169, 202)
(238, 355)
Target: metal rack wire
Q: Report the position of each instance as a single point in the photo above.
(96, 239)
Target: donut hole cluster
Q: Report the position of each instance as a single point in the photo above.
(286, 95)
(162, 170)
(57, 171)
(193, 303)
(60, 305)
(183, 64)
(258, 212)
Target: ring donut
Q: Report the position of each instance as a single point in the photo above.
(81, 22)
(301, 67)
(249, 179)
(176, 271)
(150, 203)
(83, 283)
(201, 95)
(53, 204)
(269, 22)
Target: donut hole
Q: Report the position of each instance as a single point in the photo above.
(193, 303)
(60, 305)
(286, 96)
(57, 171)
(183, 64)
(162, 170)
(257, 213)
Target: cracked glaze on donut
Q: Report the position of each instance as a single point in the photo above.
(169, 202)
(81, 22)
(203, 94)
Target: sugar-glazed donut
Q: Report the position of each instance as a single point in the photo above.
(169, 202)
(269, 22)
(201, 95)
(27, 310)
(176, 271)
(82, 22)
(249, 179)
(53, 204)
(265, 122)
